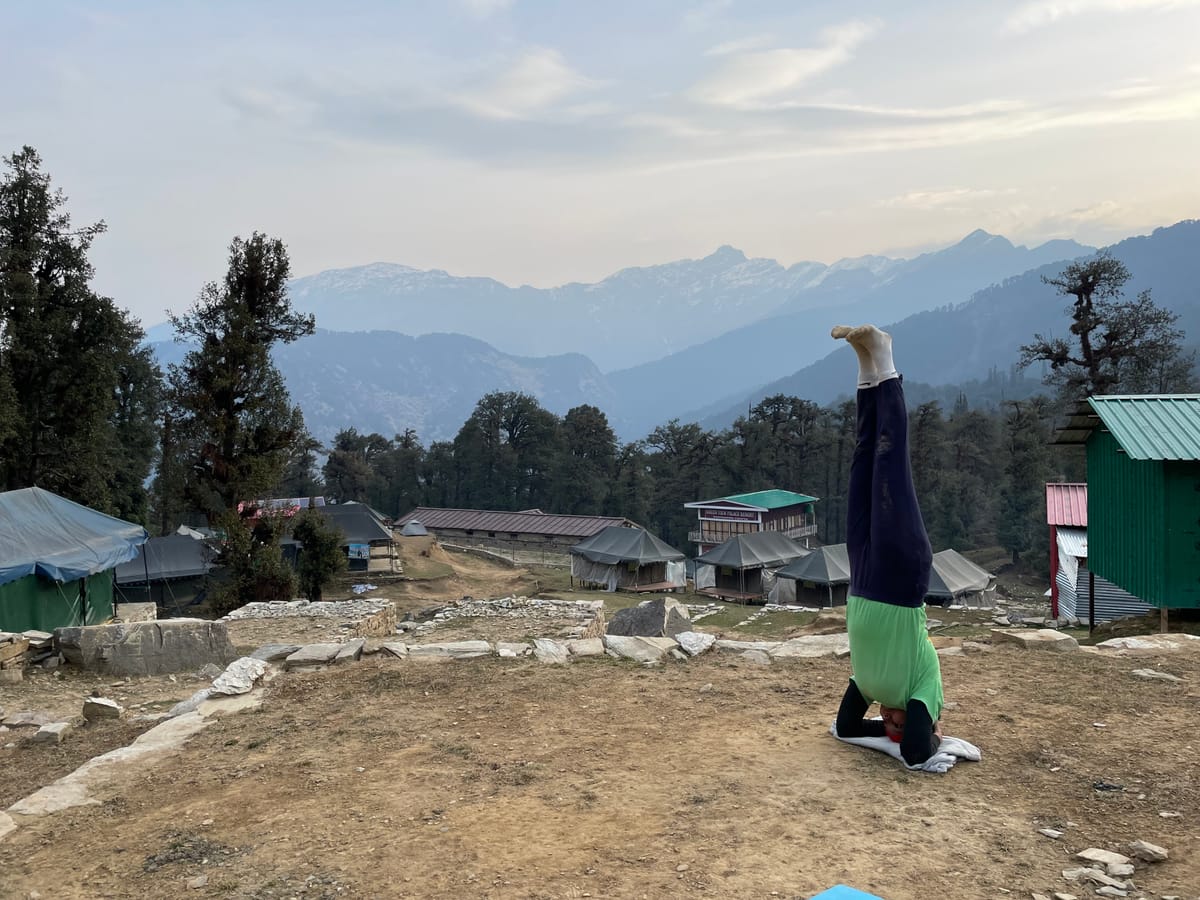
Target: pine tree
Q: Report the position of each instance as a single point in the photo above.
(78, 396)
(321, 556)
(1021, 525)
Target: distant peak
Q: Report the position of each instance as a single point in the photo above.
(726, 253)
(979, 237)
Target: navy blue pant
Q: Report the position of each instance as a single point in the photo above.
(889, 550)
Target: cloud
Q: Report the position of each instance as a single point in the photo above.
(483, 9)
(1041, 13)
(754, 42)
(752, 78)
(536, 80)
(703, 15)
(958, 199)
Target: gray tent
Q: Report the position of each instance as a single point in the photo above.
(414, 529)
(172, 571)
(822, 577)
(954, 578)
(631, 558)
(743, 567)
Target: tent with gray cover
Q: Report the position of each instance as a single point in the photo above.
(629, 559)
(172, 571)
(820, 579)
(743, 568)
(955, 579)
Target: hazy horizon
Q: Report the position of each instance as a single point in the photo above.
(536, 143)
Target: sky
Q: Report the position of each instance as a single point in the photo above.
(545, 142)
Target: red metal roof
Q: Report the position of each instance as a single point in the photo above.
(485, 520)
(1066, 504)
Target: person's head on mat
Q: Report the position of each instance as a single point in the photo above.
(893, 721)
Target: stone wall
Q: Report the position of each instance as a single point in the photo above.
(366, 617)
(146, 648)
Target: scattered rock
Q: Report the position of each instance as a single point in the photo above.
(743, 646)
(1095, 876)
(695, 642)
(1152, 675)
(210, 671)
(1151, 643)
(451, 650)
(1039, 639)
(1036, 896)
(95, 708)
(647, 650)
(754, 658)
(586, 647)
(312, 655)
(1147, 851)
(274, 652)
(239, 677)
(394, 648)
(513, 650)
(1109, 891)
(1104, 857)
(198, 882)
(1119, 870)
(950, 651)
(1059, 895)
(7, 825)
(1051, 833)
(191, 704)
(350, 651)
(976, 647)
(550, 652)
(658, 617)
(811, 646)
(52, 733)
(31, 718)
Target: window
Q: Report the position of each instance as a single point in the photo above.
(470, 531)
(514, 534)
(491, 534)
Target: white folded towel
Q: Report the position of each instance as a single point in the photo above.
(949, 751)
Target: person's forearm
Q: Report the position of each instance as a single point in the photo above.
(850, 721)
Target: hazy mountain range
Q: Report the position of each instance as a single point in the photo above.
(739, 329)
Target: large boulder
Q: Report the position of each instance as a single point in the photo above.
(146, 648)
(658, 617)
(647, 650)
(811, 646)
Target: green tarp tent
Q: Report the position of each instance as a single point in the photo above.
(57, 559)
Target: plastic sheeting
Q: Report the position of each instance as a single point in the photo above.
(173, 556)
(616, 544)
(754, 549)
(44, 534)
(954, 575)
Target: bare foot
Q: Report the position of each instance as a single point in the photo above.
(874, 350)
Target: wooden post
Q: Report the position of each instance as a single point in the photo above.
(1091, 601)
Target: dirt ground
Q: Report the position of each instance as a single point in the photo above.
(510, 779)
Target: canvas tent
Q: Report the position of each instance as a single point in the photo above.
(627, 558)
(171, 571)
(744, 566)
(57, 559)
(955, 579)
(414, 529)
(820, 579)
(361, 529)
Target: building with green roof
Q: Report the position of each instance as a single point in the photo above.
(722, 518)
(1143, 460)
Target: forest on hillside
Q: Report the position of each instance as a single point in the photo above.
(86, 411)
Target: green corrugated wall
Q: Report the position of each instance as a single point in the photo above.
(1183, 533)
(1127, 520)
(40, 604)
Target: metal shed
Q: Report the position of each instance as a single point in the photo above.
(1143, 458)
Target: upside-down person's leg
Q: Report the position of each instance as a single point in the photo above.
(850, 718)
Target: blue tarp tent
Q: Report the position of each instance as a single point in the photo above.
(56, 560)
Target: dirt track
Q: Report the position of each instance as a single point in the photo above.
(505, 779)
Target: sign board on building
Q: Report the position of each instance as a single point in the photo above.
(730, 515)
(359, 551)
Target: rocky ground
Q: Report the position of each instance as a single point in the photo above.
(715, 776)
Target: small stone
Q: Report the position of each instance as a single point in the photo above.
(1059, 895)
(274, 652)
(1152, 675)
(1149, 852)
(1170, 815)
(1119, 870)
(206, 823)
(1036, 896)
(1051, 833)
(360, 769)
(1109, 891)
(210, 671)
(52, 733)
(198, 882)
(695, 642)
(754, 658)
(95, 708)
(682, 867)
(1104, 857)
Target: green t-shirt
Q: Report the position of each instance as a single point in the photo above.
(891, 655)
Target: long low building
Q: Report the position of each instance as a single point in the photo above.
(528, 529)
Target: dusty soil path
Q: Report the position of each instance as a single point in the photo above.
(501, 779)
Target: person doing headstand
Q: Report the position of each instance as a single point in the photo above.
(894, 663)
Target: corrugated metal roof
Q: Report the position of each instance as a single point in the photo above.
(434, 518)
(1153, 426)
(772, 499)
(1066, 504)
